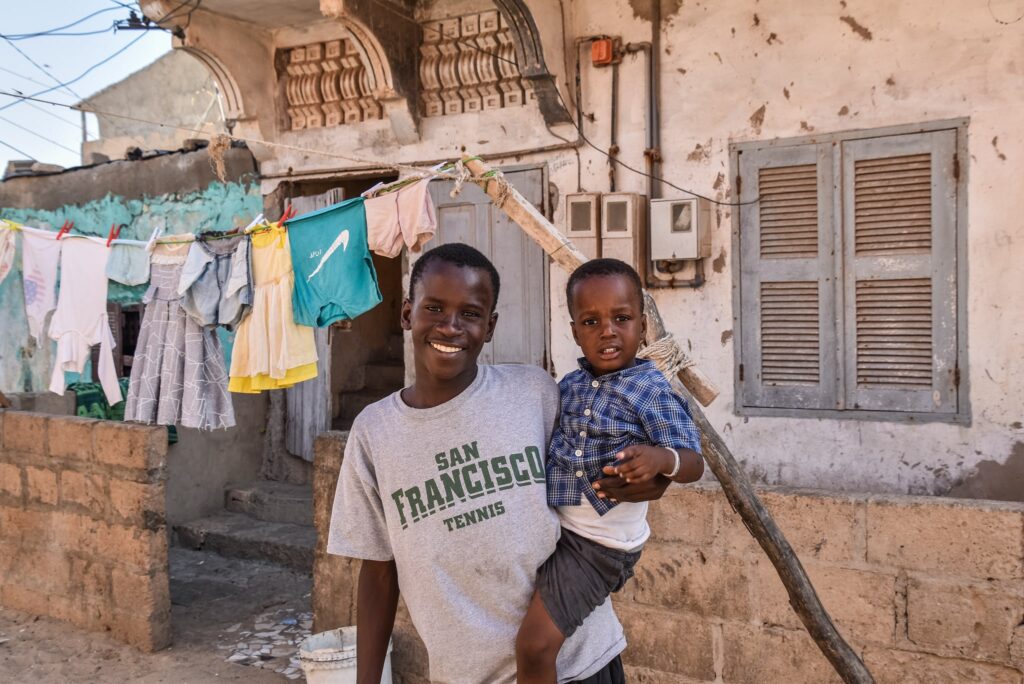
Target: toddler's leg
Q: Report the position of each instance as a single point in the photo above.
(537, 645)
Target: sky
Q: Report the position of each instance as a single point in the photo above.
(54, 134)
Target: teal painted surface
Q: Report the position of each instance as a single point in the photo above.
(26, 367)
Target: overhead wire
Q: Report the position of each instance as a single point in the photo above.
(43, 69)
(24, 154)
(56, 30)
(38, 135)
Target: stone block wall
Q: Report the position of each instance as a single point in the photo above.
(82, 529)
(925, 589)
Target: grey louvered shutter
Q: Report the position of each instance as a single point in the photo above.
(787, 284)
(899, 221)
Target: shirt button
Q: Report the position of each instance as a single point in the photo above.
(595, 383)
(579, 452)
(586, 412)
(583, 433)
(579, 473)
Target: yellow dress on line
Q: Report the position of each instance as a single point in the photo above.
(270, 350)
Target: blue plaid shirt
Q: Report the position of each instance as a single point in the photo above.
(600, 416)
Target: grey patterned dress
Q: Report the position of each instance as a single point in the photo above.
(178, 373)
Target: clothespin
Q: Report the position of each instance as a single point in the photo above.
(289, 213)
(64, 229)
(255, 222)
(114, 232)
(375, 188)
(157, 232)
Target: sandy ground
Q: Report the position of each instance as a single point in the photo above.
(217, 604)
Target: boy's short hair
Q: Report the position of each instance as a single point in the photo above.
(457, 254)
(603, 267)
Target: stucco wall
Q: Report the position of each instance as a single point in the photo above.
(733, 72)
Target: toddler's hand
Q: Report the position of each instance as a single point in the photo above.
(640, 462)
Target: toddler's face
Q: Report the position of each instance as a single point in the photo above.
(608, 322)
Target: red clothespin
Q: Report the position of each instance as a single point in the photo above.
(114, 233)
(289, 214)
(64, 229)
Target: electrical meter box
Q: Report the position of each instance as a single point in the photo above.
(680, 229)
(623, 234)
(583, 220)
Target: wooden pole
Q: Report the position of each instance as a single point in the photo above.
(737, 487)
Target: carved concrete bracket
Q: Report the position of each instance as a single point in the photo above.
(530, 57)
(385, 36)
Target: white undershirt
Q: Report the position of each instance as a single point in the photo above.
(624, 527)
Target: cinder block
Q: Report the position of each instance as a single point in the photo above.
(90, 579)
(129, 446)
(756, 655)
(947, 537)
(975, 619)
(644, 675)
(85, 490)
(71, 437)
(902, 667)
(42, 485)
(1017, 647)
(335, 581)
(131, 547)
(25, 432)
(674, 576)
(685, 515)
(16, 597)
(142, 592)
(145, 632)
(655, 641)
(820, 526)
(10, 480)
(138, 504)
(862, 604)
(26, 529)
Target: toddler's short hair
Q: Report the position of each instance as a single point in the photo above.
(603, 267)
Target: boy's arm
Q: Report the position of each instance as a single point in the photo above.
(376, 604)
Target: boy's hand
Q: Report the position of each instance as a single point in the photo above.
(641, 462)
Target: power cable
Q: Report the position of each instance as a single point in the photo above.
(24, 36)
(23, 76)
(77, 127)
(23, 154)
(39, 66)
(38, 135)
(83, 74)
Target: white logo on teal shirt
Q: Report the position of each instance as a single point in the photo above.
(342, 240)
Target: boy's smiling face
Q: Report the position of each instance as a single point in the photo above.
(607, 321)
(450, 317)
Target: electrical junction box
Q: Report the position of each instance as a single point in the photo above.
(623, 228)
(583, 219)
(680, 229)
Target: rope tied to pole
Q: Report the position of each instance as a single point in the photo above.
(667, 355)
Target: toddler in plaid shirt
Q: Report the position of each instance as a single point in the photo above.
(620, 416)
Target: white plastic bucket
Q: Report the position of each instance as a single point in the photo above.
(330, 658)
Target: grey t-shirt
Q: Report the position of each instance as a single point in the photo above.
(455, 494)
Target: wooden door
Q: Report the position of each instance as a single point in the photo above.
(471, 218)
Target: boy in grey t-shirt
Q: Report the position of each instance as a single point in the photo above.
(442, 493)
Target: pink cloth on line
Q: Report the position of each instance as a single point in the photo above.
(405, 216)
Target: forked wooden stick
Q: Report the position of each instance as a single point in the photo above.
(737, 488)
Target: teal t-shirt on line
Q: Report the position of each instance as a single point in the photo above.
(334, 275)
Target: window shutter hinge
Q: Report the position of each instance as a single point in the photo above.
(956, 376)
(739, 186)
(741, 372)
(956, 166)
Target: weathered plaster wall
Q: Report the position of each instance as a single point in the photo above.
(176, 90)
(760, 70)
(739, 71)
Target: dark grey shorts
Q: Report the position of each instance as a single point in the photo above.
(578, 577)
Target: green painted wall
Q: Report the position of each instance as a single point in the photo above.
(25, 367)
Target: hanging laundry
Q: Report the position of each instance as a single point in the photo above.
(40, 257)
(270, 350)
(404, 216)
(216, 282)
(334, 275)
(178, 373)
(128, 264)
(7, 249)
(80, 320)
